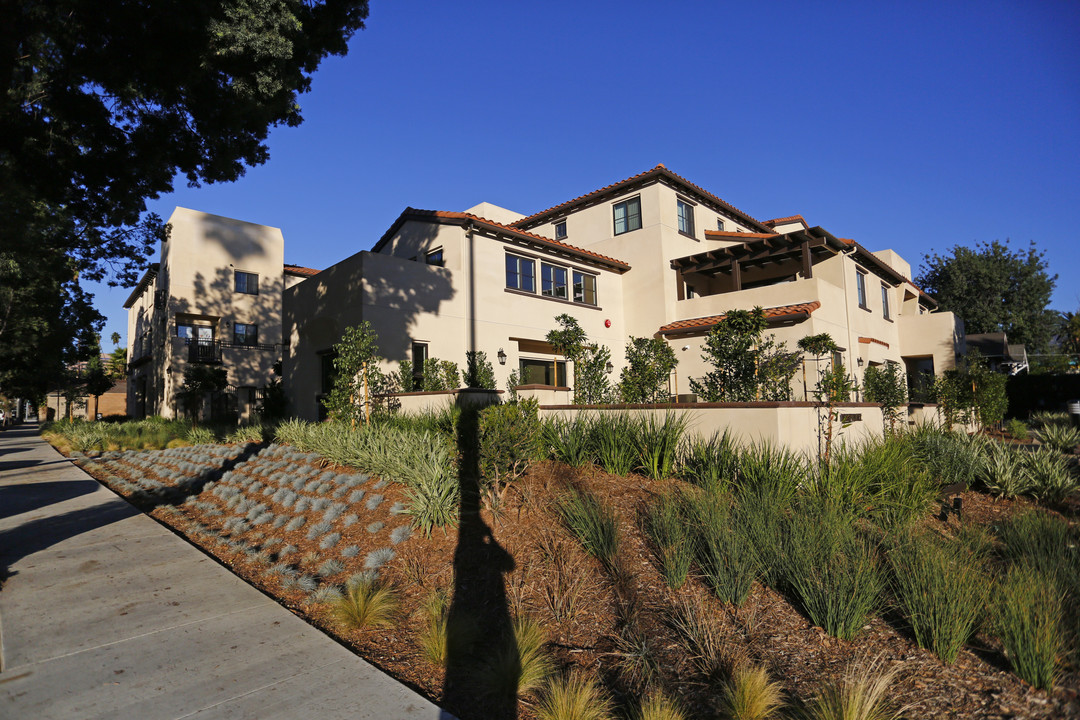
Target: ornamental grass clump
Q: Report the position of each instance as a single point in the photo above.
(574, 697)
(657, 441)
(666, 524)
(1027, 618)
(439, 633)
(658, 706)
(595, 526)
(941, 591)
(569, 441)
(518, 664)
(750, 694)
(727, 562)
(863, 693)
(711, 463)
(1058, 436)
(612, 439)
(949, 457)
(1051, 476)
(1003, 471)
(832, 572)
(366, 602)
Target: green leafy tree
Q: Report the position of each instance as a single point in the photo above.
(355, 368)
(649, 363)
(833, 386)
(199, 382)
(478, 371)
(103, 104)
(746, 365)
(405, 378)
(972, 393)
(887, 385)
(591, 385)
(995, 289)
(97, 380)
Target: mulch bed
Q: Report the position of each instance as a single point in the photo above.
(533, 555)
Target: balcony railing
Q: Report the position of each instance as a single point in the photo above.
(209, 351)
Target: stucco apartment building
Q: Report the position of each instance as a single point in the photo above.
(651, 255)
(214, 298)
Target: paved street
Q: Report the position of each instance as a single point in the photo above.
(104, 613)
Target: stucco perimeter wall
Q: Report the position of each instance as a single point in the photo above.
(792, 425)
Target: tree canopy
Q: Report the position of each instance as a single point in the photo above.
(106, 101)
(995, 289)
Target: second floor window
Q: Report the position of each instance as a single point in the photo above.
(560, 230)
(584, 288)
(860, 288)
(686, 217)
(245, 334)
(553, 281)
(435, 257)
(195, 333)
(627, 215)
(520, 273)
(885, 302)
(720, 224)
(247, 283)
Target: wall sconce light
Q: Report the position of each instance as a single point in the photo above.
(609, 368)
(502, 357)
(859, 361)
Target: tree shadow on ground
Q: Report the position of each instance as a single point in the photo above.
(479, 598)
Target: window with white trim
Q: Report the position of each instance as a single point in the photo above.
(520, 273)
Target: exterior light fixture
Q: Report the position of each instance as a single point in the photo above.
(502, 357)
(859, 361)
(609, 368)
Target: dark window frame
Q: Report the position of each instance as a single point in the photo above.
(243, 340)
(556, 368)
(435, 258)
(860, 288)
(684, 209)
(886, 310)
(560, 229)
(574, 275)
(242, 282)
(628, 218)
(565, 286)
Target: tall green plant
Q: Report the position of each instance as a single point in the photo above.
(885, 384)
(478, 371)
(510, 437)
(355, 368)
(649, 363)
(833, 386)
(590, 360)
(745, 365)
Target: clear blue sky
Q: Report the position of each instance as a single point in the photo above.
(915, 127)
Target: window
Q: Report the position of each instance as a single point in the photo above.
(553, 281)
(720, 224)
(584, 288)
(435, 257)
(245, 334)
(419, 356)
(690, 292)
(885, 301)
(542, 372)
(520, 273)
(686, 217)
(195, 333)
(560, 230)
(247, 283)
(627, 215)
(860, 288)
(327, 371)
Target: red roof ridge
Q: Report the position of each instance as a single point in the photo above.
(710, 320)
(450, 214)
(659, 169)
(868, 340)
(300, 270)
(784, 220)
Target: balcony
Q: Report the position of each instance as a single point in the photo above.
(209, 352)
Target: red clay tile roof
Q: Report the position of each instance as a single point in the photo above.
(658, 171)
(785, 220)
(773, 313)
(301, 271)
(868, 340)
(461, 218)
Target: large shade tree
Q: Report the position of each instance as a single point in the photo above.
(105, 101)
(995, 289)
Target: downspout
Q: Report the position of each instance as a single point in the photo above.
(847, 303)
(471, 344)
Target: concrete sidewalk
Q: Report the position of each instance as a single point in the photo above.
(107, 614)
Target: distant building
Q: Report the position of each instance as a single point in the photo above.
(999, 354)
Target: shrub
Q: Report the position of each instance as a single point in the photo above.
(666, 524)
(366, 602)
(745, 365)
(749, 694)
(658, 442)
(1051, 478)
(509, 438)
(595, 526)
(862, 694)
(649, 362)
(1003, 471)
(887, 385)
(941, 592)
(573, 697)
(1063, 438)
(1017, 429)
(833, 573)
(1028, 621)
(478, 371)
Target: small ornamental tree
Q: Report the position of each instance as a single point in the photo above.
(590, 360)
(746, 365)
(355, 366)
(972, 392)
(885, 384)
(649, 362)
(441, 375)
(405, 378)
(478, 371)
(834, 385)
(97, 380)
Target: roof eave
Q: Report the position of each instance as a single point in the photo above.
(140, 287)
